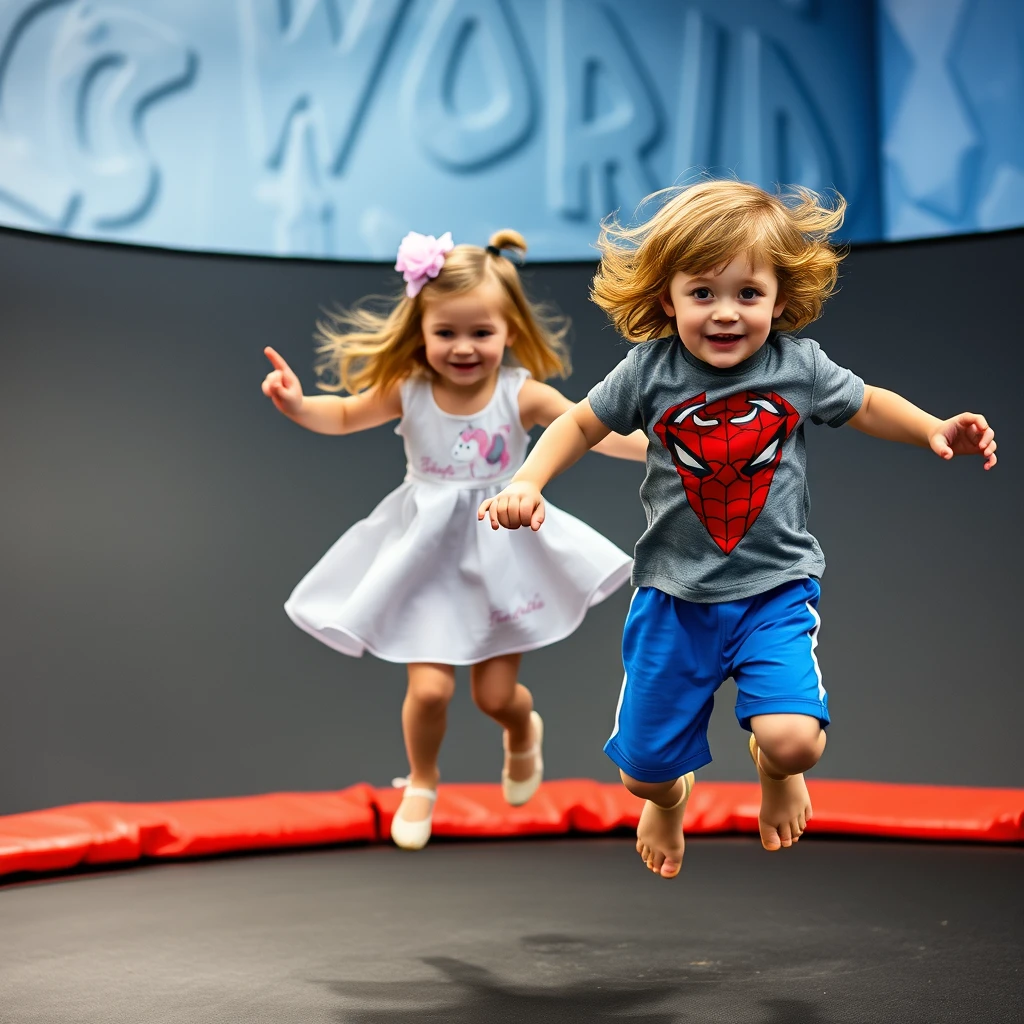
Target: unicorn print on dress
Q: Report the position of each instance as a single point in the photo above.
(487, 454)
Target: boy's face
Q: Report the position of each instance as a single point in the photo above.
(725, 315)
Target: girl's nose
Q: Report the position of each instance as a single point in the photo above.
(725, 314)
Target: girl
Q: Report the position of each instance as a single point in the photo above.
(713, 288)
(459, 360)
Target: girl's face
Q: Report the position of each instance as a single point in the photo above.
(466, 335)
(724, 316)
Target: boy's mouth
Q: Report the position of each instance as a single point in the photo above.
(724, 339)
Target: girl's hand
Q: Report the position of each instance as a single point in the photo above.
(520, 504)
(281, 385)
(966, 434)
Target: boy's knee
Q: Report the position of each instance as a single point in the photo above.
(793, 743)
(645, 790)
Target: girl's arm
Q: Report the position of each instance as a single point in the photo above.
(327, 414)
(540, 405)
(889, 416)
(566, 441)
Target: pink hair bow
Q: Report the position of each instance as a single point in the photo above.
(421, 257)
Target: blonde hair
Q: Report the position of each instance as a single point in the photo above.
(364, 347)
(704, 226)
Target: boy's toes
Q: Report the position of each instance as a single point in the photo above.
(770, 838)
(669, 867)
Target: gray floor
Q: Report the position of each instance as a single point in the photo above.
(531, 931)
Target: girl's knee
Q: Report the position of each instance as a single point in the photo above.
(493, 700)
(431, 697)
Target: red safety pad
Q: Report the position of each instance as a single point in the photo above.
(91, 834)
(106, 833)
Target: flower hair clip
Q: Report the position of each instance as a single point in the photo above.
(420, 258)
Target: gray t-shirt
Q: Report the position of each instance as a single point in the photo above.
(726, 487)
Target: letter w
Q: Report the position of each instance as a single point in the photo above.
(325, 56)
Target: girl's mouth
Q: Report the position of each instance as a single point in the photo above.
(724, 339)
(464, 367)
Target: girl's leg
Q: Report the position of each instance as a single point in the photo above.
(424, 718)
(497, 694)
(783, 747)
(659, 834)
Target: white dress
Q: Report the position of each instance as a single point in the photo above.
(421, 579)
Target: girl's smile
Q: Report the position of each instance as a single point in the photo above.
(465, 335)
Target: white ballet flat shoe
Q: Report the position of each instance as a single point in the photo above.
(412, 835)
(515, 792)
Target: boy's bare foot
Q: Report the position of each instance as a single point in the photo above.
(659, 835)
(785, 806)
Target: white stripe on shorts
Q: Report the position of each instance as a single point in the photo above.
(622, 689)
(813, 634)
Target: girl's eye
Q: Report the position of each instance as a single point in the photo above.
(749, 293)
(701, 293)
(483, 333)
(444, 332)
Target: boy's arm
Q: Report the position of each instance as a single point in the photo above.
(889, 416)
(566, 441)
(540, 405)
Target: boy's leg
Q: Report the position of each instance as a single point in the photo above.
(783, 747)
(497, 694)
(781, 699)
(672, 669)
(659, 834)
(424, 719)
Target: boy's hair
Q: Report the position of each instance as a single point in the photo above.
(701, 228)
(364, 347)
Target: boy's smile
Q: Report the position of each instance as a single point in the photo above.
(725, 315)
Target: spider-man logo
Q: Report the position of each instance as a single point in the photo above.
(726, 453)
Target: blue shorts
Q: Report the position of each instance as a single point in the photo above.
(677, 653)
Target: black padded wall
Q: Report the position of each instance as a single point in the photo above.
(156, 511)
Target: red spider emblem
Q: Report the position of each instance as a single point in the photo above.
(726, 453)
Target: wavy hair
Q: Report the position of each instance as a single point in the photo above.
(379, 342)
(702, 227)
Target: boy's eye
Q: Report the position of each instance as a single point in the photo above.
(701, 293)
(749, 293)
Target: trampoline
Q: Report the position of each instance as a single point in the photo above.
(534, 926)
(527, 930)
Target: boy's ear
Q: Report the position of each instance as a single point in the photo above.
(779, 307)
(666, 303)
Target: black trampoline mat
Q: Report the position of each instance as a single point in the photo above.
(526, 931)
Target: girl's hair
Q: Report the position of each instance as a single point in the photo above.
(701, 228)
(366, 347)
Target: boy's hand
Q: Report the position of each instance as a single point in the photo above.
(966, 434)
(281, 385)
(520, 504)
